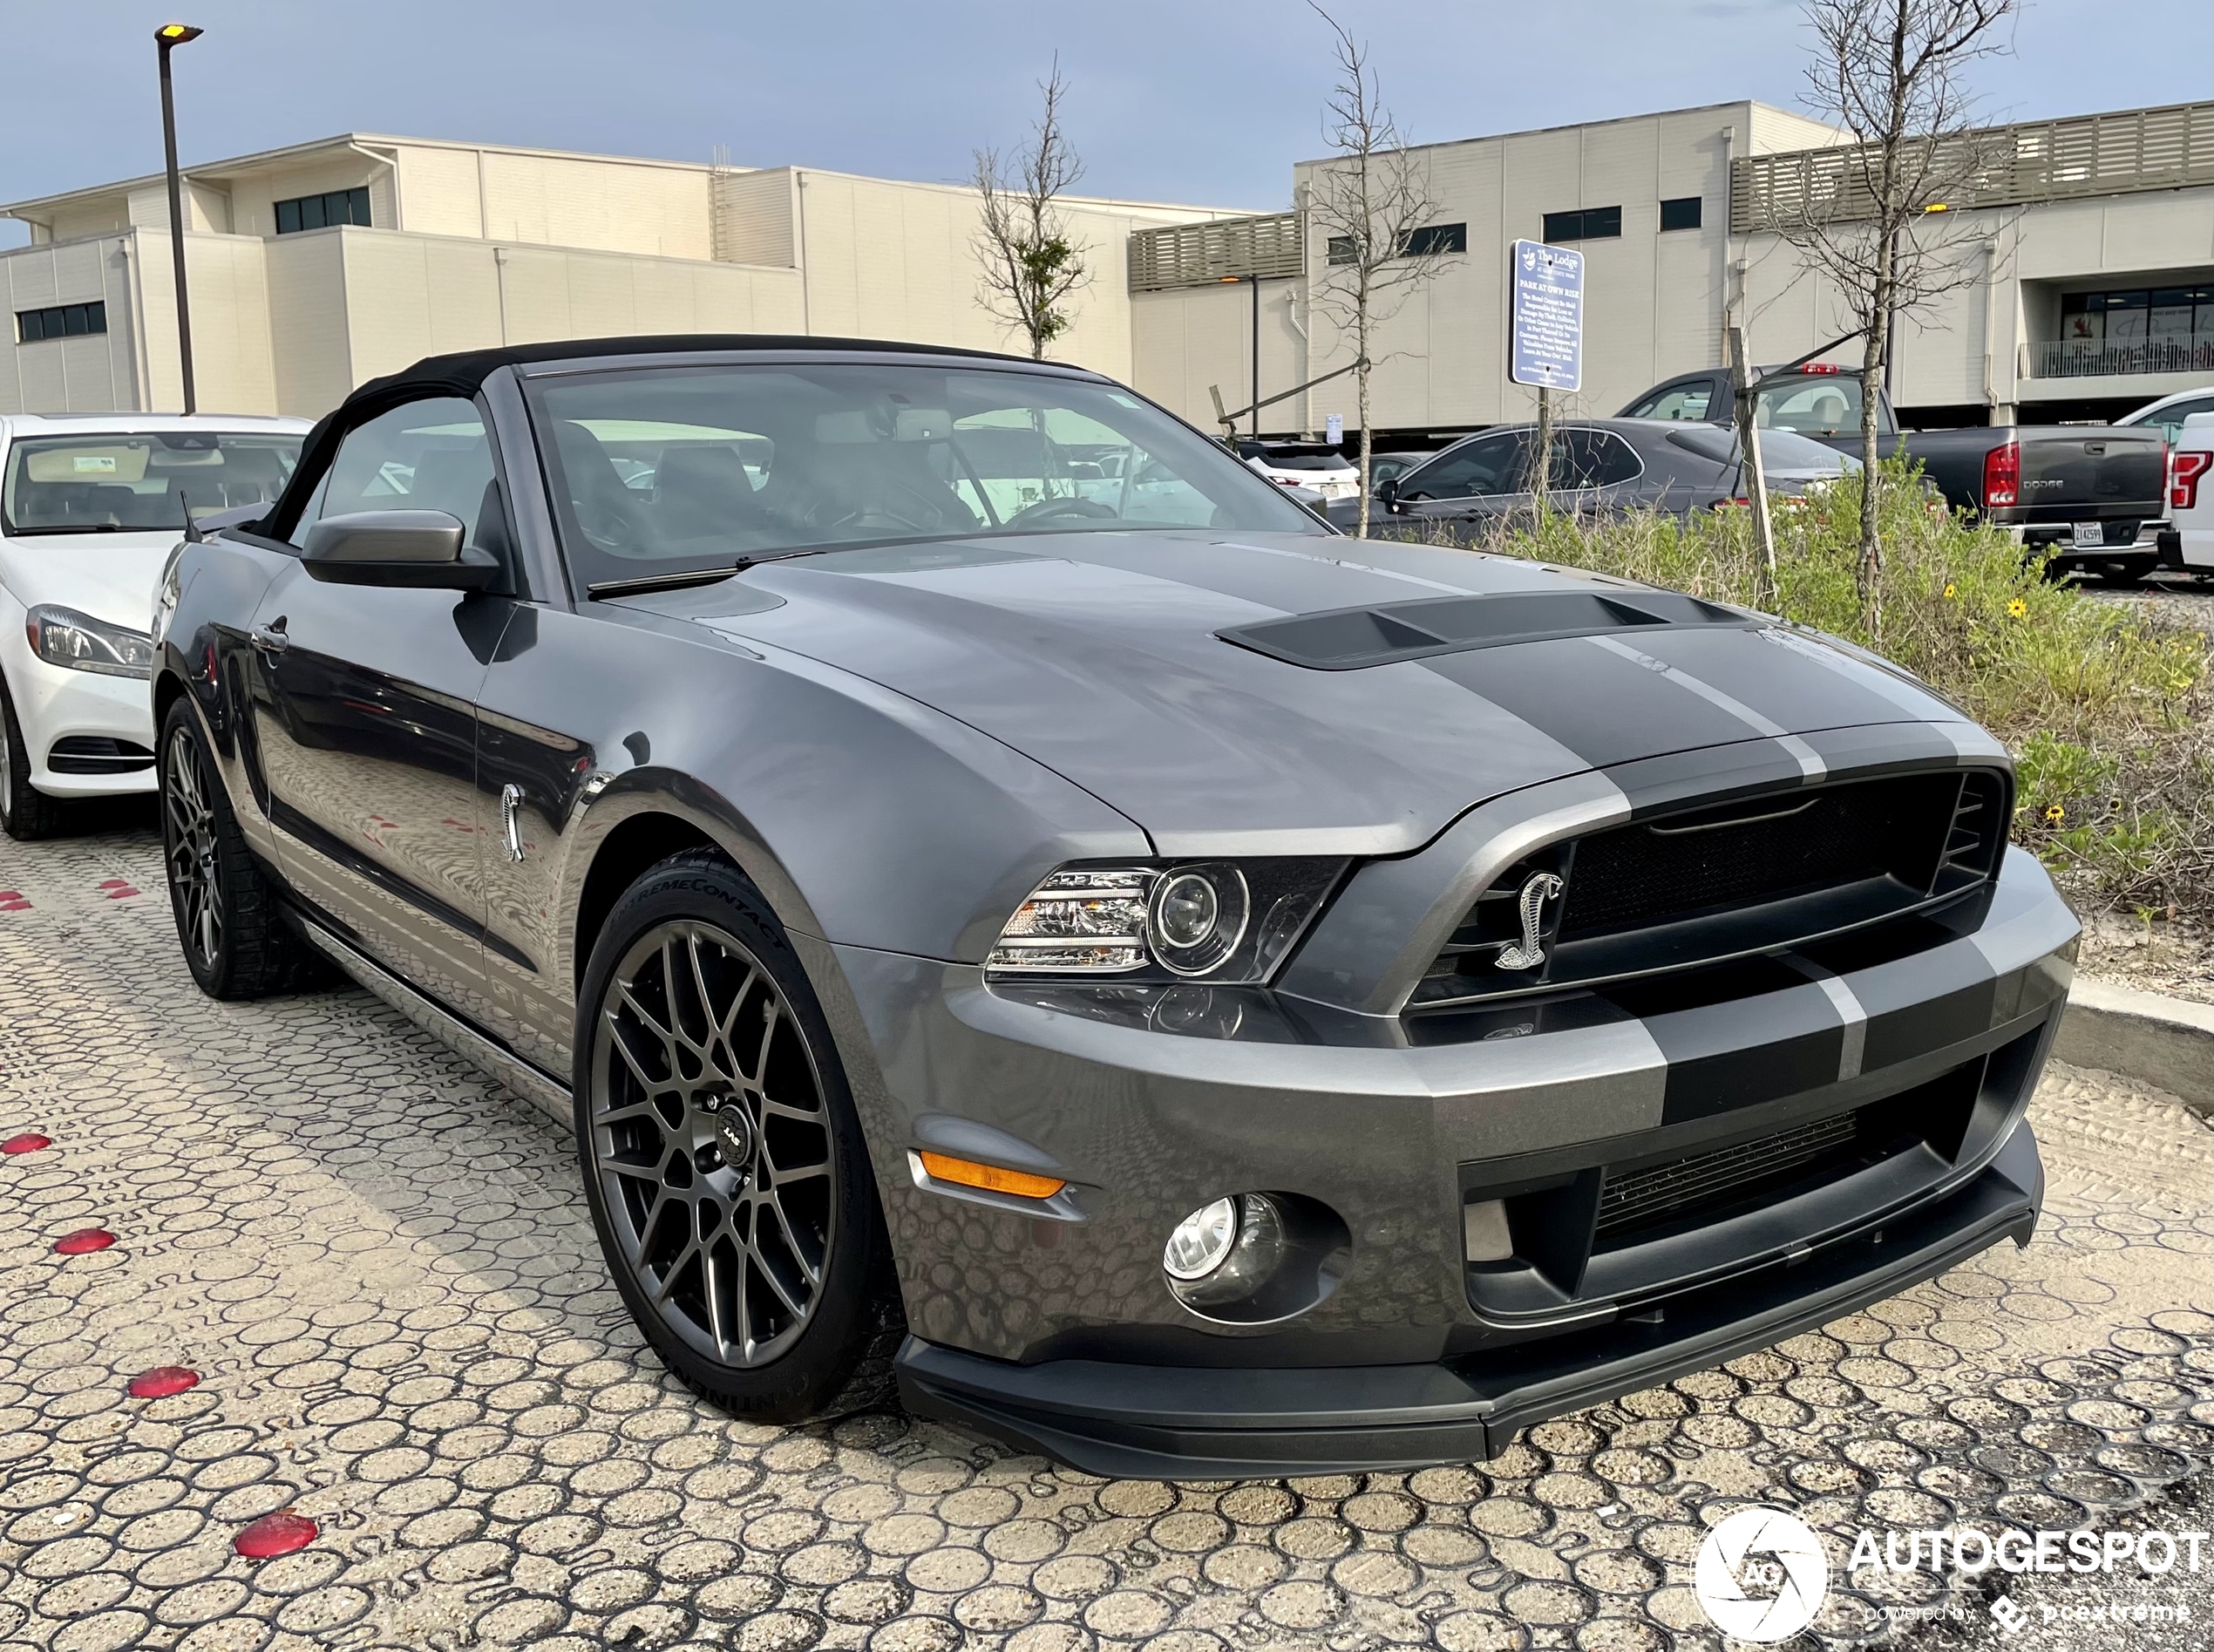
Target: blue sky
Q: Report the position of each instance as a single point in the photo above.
(1205, 101)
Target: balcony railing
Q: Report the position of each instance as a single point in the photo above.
(2093, 358)
(1271, 246)
(2129, 152)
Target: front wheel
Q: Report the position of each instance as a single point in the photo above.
(236, 942)
(26, 814)
(723, 1160)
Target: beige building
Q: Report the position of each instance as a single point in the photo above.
(313, 268)
(2090, 249)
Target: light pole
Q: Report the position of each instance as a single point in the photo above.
(166, 40)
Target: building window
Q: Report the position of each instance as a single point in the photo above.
(1340, 250)
(317, 212)
(1437, 238)
(1681, 214)
(1592, 223)
(62, 321)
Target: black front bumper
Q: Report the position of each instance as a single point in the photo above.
(1195, 1423)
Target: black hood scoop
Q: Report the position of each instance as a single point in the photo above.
(1348, 638)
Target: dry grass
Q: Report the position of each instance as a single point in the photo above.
(2107, 711)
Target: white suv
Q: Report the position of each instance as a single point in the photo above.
(2188, 544)
(90, 506)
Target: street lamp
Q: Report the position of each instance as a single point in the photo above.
(166, 40)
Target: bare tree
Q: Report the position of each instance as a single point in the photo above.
(1031, 267)
(1370, 205)
(1875, 217)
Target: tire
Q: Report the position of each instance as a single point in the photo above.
(789, 1310)
(235, 941)
(26, 814)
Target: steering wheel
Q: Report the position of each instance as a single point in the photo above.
(605, 524)
(1046, 509)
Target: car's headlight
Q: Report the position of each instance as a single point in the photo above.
(63, 636)
(1223, 921)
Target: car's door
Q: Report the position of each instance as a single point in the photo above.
(1700, 399)
(1466, 480)
(364, 711)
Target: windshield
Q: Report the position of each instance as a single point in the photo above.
(1815, 404)
(663, 473)
(96, 483)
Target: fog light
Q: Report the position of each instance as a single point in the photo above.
(1199, 1242)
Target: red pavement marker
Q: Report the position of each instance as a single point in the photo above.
(274, 1535)
(30, 1142)
(163, 1381)
(13, 901)
(117, 888)
(84, 1241)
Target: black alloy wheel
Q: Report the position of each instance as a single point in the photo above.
(235, 940)
(189, 851)
(26, 814)
(723, 1162)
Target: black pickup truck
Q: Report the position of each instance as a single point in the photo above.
(2079, 493)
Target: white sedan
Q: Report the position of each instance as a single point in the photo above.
(90, 506)
(1304, 465)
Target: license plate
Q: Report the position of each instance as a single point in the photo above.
(2090, 536)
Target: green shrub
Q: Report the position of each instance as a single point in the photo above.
(2105, 707)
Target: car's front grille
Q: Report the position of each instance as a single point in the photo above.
(1697, 884)
(1668, 870)
(97, 754)
(1683, 1188)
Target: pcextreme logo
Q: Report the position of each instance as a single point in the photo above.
(1760, 1574)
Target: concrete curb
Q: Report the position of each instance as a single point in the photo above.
(2162, 1040)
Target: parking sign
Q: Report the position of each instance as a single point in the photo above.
(1548, 346)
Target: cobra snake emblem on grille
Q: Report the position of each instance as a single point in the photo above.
(1526, 954)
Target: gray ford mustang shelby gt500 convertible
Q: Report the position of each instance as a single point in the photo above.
(1012, 907)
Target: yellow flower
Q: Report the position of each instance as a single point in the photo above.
(2018, 608)
(2054, 814)
(1951, 590)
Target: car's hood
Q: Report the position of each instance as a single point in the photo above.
(109, 576)
(1096, 653)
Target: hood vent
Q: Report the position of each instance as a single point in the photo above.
(1349, 639)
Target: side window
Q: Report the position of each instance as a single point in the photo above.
(1822, 405)
(1687, 401)
(431, 455)
(1488, 465)
(2171, 418)
(1591, 458)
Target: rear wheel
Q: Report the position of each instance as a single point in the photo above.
(26, 814)
(236, 942)
(722, 1161)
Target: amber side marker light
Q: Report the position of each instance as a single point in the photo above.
(967, 1173)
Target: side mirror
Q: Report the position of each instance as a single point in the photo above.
(415, 549)
(1387, 489)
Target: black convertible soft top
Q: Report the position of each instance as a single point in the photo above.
(464, 374)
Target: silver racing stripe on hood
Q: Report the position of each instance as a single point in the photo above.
(1810, 761)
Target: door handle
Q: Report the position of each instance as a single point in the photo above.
(511, 829)
(270, 638)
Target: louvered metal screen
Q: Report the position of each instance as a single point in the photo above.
(1271, 246)
(2129, 152)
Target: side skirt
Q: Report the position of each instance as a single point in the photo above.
(547, 1094)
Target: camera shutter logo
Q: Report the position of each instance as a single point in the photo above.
(1760, 1574)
